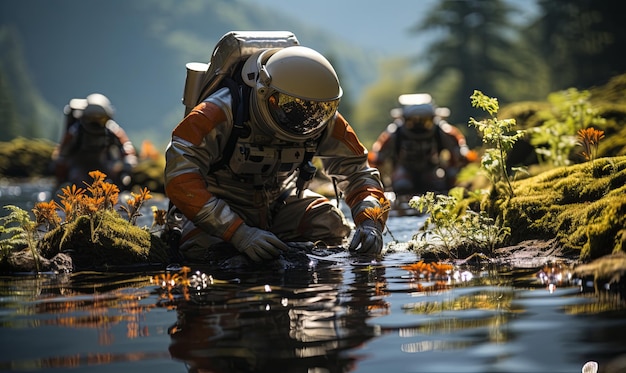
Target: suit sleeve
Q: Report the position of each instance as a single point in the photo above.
(345, 159)
(196, 143)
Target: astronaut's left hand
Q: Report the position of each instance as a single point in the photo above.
(368, 238)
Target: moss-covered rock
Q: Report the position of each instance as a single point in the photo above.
(583, 206)
(104, 240)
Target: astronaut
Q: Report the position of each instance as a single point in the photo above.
(93, 141)
(256, 202)
(425, 151)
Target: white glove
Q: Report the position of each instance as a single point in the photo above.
(369, 237)
(256, 243)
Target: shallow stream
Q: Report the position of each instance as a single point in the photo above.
(339, 315)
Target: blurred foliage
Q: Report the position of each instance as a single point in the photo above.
(31, 158)
(139, 64)
(589, 32)
(479, 45)
(370, 119)
(475, 34)
(23, 112)
(23, 157)
(149, 174)
(472, 44)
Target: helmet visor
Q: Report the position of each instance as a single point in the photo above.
(298, 116)
(419, 124)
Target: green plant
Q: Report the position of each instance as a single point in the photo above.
(21, 232)
(496, 132)
(483, 231)
(555, 139)
(453, 226)
(94, 203)
(442, 223)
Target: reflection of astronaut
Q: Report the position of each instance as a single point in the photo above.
(313, 327)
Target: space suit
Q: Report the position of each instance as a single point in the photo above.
(425, 151)
(254, 201)
(93, 141)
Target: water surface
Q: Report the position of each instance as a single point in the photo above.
(338, 315)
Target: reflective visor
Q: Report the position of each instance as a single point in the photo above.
(419, 123)
(300, 117)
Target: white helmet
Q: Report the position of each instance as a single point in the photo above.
(296, 91)
(98, 109)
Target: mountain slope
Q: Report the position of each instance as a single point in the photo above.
(135, 52)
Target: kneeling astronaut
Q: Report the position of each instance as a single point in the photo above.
(253, 202)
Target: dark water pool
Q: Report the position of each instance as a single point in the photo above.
(336, 316)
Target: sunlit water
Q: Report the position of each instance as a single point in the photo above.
(339, 315)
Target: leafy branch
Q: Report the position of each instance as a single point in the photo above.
(496, 132)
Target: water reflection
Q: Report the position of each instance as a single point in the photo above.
(40, 306)
(334, 317)
(315, 325)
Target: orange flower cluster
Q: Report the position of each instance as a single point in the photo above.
(134, 204)
(589, 139)
(435, 270)
(75, 201)
(379, 213)
(97, 196)
(46, 214)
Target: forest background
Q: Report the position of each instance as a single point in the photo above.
(135, 53)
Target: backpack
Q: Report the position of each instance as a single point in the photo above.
(224, 70)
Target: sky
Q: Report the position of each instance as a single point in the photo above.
(366, 23)
(371, 23)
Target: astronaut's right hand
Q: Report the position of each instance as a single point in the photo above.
(257, 244)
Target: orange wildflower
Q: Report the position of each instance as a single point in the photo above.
(46, 213)
(97, 176)
(379, 213)
(420, 268)
(589, 139)
(441, 270)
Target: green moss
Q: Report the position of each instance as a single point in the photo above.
(22, 157)
(149, 174)
(583, 206)
(105, 239)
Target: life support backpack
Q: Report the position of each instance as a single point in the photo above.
(224, 70)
